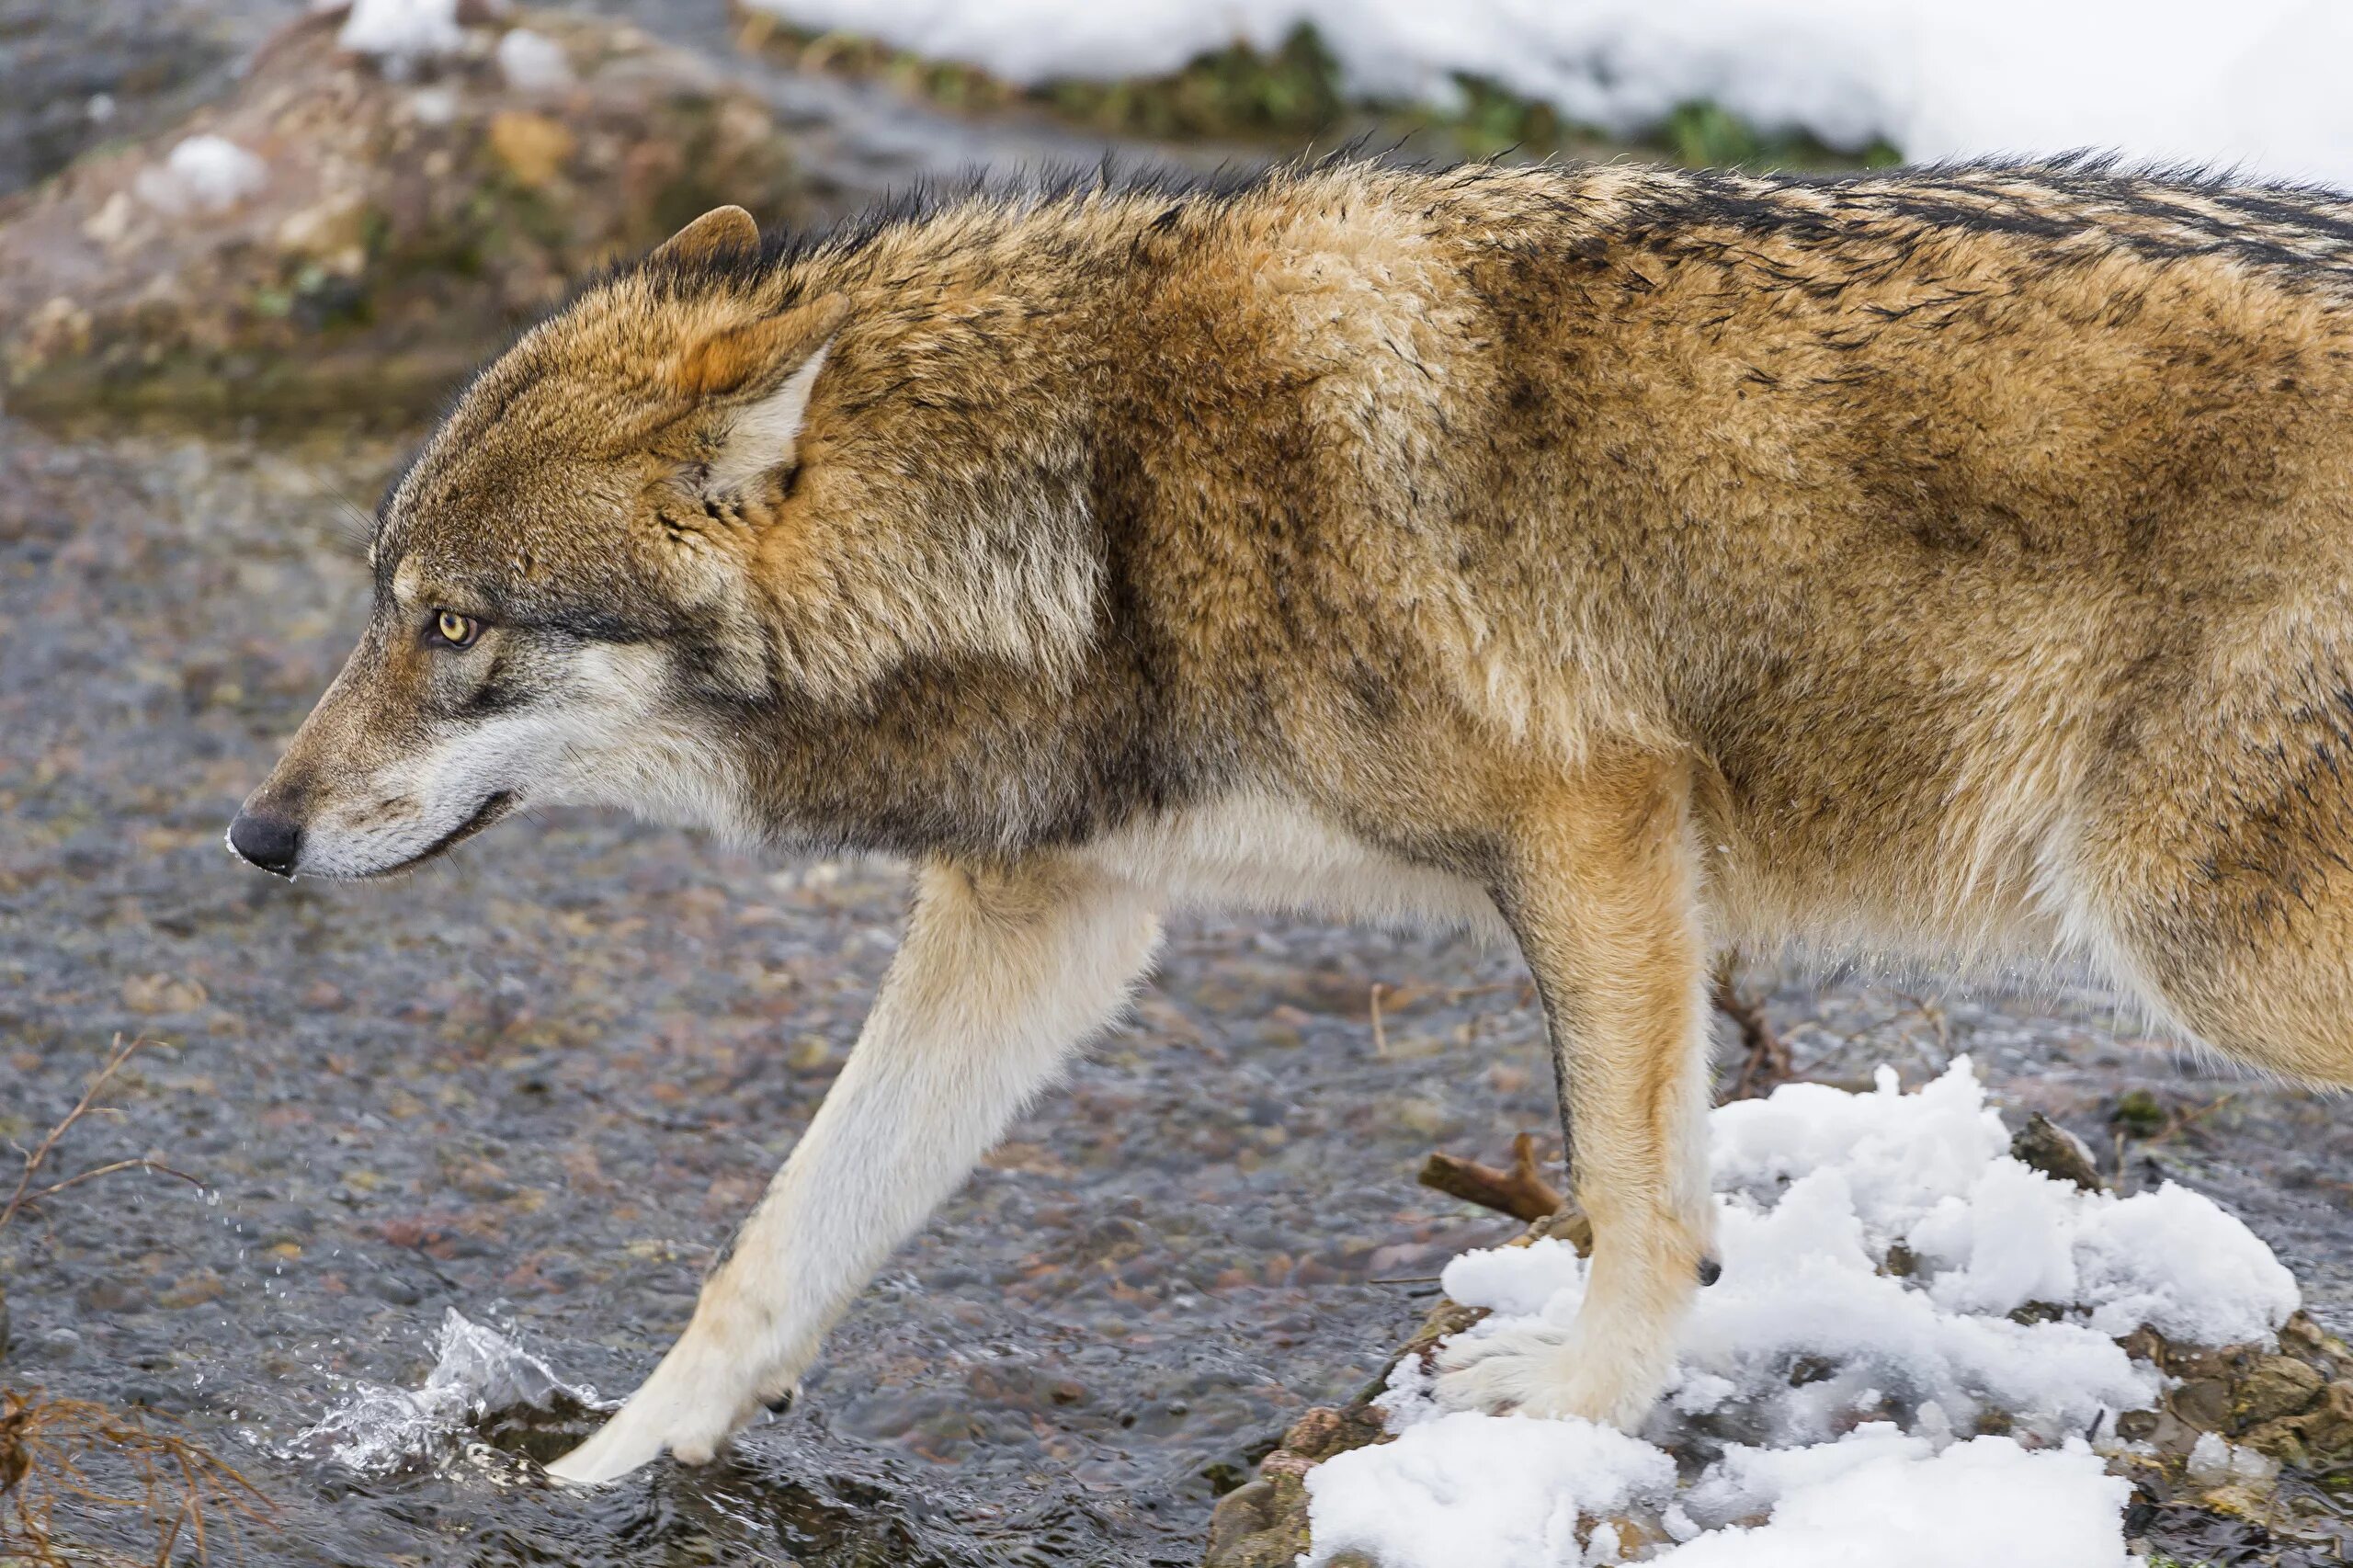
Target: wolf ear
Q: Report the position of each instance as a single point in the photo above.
(766, 370)
(721, 229)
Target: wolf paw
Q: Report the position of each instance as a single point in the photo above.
(1543, 1371)
(691, 1418)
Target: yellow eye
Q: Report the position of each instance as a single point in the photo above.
(455, 630)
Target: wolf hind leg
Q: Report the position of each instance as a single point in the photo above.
(1602, 894)
(1002, 972)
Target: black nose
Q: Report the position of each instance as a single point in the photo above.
(271, 841)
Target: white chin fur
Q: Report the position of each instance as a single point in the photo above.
(606, 742)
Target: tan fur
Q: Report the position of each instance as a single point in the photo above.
(1951, 562)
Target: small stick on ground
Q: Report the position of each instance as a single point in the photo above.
(1380, 1035)
(27, 1195)
(2181, 1121)
(1765, 1063)
(1521, 1192)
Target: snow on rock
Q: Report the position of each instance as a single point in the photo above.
(1402, 1502)
(2166, 79)
(533, 62)
(1874, 1247)
(203, 175)
(403, 29)
(475, 1370)
(1985, 1501)
(2171, 1259)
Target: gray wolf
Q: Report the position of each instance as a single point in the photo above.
(1955, 562)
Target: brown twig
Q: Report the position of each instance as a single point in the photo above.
(141, 1164)
(1380, 1035)
(2182, 1121)
(27, 1194)
(1521, 1192)
(1766, 1062)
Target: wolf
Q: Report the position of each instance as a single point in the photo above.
(1953, 562)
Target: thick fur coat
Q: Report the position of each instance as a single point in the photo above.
(1952, 562)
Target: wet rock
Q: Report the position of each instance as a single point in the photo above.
(163, 994)
(2050, 1148)
(72, 75)
(2276, 1386)
(1261, 1524)
(191, 1290)
(339, 235)
(2320, 1438)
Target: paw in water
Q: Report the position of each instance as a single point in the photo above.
(691, 1417)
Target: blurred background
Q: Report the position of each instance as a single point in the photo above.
(247, 246)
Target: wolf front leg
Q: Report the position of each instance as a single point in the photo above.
(1003, 972)
(1601, 888)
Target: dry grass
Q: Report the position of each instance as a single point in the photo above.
(71, 1451)
(91, 1457)
(27, 1195)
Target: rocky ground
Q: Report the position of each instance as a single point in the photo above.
(339, 236)
(539, 1084)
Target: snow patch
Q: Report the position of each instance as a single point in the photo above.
(1532, 1482)
(203, 175)
(1874, 1247)
(2257, 83)
(533, 62)
(403, 29)
(1988, 1500)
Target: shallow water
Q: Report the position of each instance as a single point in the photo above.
(538, 1085)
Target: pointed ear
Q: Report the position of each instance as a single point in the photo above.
(736, 361)
(721, 229)
(766, 370)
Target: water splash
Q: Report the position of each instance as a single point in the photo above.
(478, 1371)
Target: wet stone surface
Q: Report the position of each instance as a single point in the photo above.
(80, 74)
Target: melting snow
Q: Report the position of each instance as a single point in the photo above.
(402, 30)
(2255, 81)
(203, 173)
(1822, 1404)
(532, 63)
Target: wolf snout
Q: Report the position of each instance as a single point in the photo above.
(266, 839)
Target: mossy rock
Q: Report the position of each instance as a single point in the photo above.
(1292, 95)
(400, 229)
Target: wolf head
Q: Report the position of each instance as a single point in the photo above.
(655, 507)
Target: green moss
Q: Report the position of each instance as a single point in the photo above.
(1234, 93)
(2138, 1113)
(353, 383)
(1294, 95)
(1493, 119)
(1706, 134)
